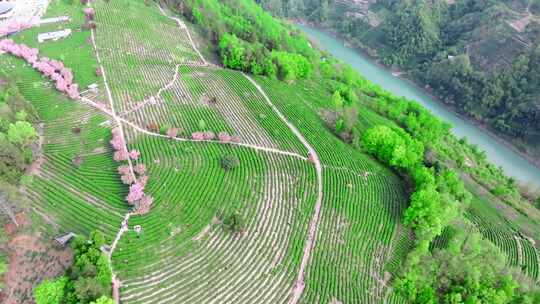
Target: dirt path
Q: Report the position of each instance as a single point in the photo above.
(299, 285)
(123, 225)
(158, 94)
(182, 26)
(149, 133)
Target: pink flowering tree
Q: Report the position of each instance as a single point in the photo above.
(117, 142)
(172, 132)
(127, 179)
(140, 169)
(197, 135)
(122, 170)
(209, 135)
(147, 200)
(121, 155)
(224, 137)
(53, 69)
(136, 192)
(134, 154)
(143, 180)
(90, 13)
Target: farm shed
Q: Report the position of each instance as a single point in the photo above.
(6, 9)
(53, 35)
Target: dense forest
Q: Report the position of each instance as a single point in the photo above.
(438, 199)
(481, 57)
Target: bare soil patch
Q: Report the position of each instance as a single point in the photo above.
(32, 259)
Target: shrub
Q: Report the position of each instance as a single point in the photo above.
(50, 292)
(233, 221)
(229, 162)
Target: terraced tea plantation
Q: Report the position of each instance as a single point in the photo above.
(320, 221)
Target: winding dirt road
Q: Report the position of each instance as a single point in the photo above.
(299, 285)
(298, 288)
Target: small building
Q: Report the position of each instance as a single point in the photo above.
(64, 239)
(6, 9)
(53, 20)
(138, 229)
(53, 35)
(106, 249)
(93, 87)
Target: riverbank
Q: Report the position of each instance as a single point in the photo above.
(530, 158)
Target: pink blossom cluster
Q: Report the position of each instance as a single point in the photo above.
(127, 179)
(208, 135)
(136, 193)
(53, 69)
(134, 154)
(172, 132)
(13, 27)
(140, 169)
(224, 137)
(89, 13)
(197, 135)
(123, 170)
(117, 141)
(144, 204)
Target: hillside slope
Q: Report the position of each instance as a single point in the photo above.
(479, 57)
(155, 81)
(251, 194)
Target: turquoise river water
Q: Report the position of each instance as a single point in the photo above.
(498, 153)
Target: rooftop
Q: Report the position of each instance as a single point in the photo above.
(5, 7)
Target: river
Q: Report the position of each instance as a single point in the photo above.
(498, 153)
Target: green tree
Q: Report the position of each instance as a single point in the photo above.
(233, 52)
(233, 221)
(21, 115)
(337, 100)
(103, 300)
(50, 292)
(468, 270)
(229, 162)
(21, 133)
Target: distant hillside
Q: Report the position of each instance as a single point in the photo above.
(481, 57)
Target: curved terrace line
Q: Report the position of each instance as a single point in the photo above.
(299, 285)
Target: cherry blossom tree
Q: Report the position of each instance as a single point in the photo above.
(73, 91)
(147, 200)
(90, 13)
(117, 142)
(127, 179)
(224, 137)
(235, 139)
(143, 180)
(172, 132)
(209, 135)
(134, 154)
(123, 170)
(136, 192)
(197, 135)
(140, 169)
(121, 155)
